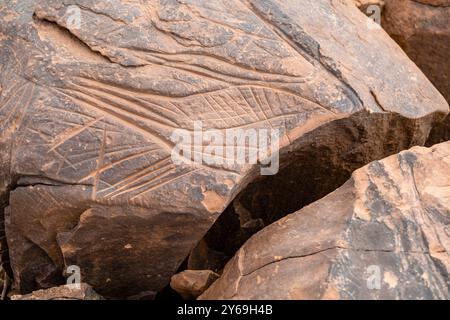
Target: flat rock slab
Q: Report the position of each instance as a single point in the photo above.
(80, 291)
(91, 93)
(385, 234)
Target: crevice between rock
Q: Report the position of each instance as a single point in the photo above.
(315, 165)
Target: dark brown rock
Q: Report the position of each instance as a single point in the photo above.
(81, 291)
(87, 110)
(391, 220)
(3, 284)
(112, 239)
(422, 29)
(192, 283)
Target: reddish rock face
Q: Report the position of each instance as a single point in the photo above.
(385, 234)
(81, 291)
(192, 283)
(422, 29)
(91, 94)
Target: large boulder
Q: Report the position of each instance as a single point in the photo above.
(385, 234)
(92, 92)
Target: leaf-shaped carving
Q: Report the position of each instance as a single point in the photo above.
(155, 118)
(248, 75)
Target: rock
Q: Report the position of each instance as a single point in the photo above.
(440, 132)
(192, 283)
(4, 255)
(385, 234)
(5, 284)
(235, 226)
(203, 256)
(364, 5)
(422, 29)
(82, 291)
(92, 93)
(4, 259)
(2, 282)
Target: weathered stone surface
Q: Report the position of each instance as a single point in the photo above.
(92, 91)
(323, 161)
(106, 242)
(4, 284)
(364, 5)
(4, 257)
(392, 216)
(422, 29)
(82, 291)
(192, 283)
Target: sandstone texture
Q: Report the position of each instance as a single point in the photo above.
(65, 292)
(192, 283)
(366, 5)
(92, 91)
(422, 29)
(4, 284)
(391, 220)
